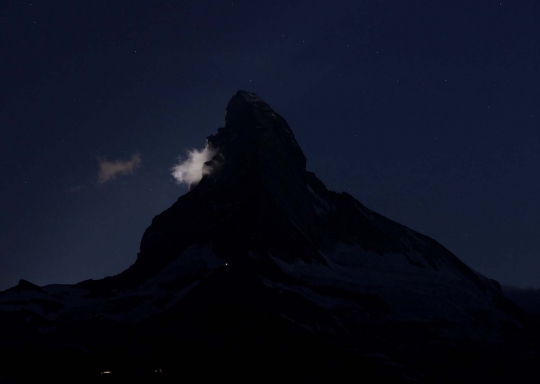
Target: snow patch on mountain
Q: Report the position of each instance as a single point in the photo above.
(412, 293)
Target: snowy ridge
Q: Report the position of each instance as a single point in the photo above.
(412, 293)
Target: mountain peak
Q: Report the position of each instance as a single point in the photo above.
(258, 148)
(244, 103)
(245, 110)
(255, 141)
(248, 96)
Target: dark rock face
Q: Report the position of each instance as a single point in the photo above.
(260, 265)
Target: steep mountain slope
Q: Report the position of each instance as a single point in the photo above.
(260, 209)
(259, 259)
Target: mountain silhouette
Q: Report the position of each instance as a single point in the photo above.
(260, 268)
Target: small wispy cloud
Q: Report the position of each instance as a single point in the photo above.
(108, 170)
(192, 169)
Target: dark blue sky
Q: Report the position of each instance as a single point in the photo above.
(426, 111)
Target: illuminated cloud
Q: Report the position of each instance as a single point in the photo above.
(108, 170)
(192, 169)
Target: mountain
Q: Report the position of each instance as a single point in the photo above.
(259, 267)
(527, 298)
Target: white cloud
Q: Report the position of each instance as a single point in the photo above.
(108, 170)
(192, 169)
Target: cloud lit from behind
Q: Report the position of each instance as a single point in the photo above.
(192, 169)
(108, 170)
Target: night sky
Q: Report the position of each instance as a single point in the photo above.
(426, 111)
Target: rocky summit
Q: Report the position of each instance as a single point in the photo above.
(259, 271)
